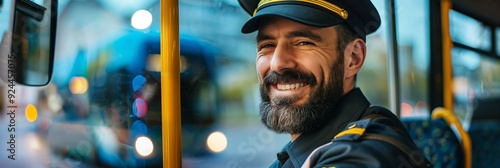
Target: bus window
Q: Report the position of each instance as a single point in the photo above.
(101, 108)
(477, 36)
(373, 77)
(474, 62)
(413, 39)
(474, 78)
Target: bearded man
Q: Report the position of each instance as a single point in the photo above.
(308, 55)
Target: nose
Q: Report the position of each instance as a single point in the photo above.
(283, 59)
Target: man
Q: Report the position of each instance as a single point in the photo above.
(308, 55)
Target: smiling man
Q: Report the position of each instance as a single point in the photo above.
(308, 55)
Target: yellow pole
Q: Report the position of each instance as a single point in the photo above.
(170, 83)
(448, 82)
(447, 45)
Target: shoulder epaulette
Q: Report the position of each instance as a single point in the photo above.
(353, 131)
(356, 130)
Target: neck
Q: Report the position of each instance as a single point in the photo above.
(295, 136)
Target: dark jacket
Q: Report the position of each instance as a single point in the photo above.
(353, 150)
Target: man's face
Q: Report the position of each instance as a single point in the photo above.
(301, 75)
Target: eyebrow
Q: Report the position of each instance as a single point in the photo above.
(305, 33)
(262, 37)
(297, 33)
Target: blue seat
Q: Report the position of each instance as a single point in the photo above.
(484, 131)
(485, 137)
(437, 140)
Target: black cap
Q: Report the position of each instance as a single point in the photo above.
(360, 15)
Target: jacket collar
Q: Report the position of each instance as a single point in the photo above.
(349, 107)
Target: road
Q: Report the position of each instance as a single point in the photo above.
(249, 146)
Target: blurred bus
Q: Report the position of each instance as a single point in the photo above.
(95, 98)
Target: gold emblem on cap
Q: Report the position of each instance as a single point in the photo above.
(322, 3)
(344, 14)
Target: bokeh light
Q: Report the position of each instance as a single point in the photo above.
(33, 141)
(460, 87)
(216, 142)
(154, 62)
(31, 113)
(406, 109)
(140, 108)
(144, 146)
(138, 81)
(78, 85)
(139, 128)
(141, 19)
(54, 102)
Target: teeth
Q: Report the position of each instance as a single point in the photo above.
(290, 86)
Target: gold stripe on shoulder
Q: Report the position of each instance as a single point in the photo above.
(352, 131)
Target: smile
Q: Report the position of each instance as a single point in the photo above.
(290, 86)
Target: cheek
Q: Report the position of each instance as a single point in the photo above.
(262, 67)
(319, 68)
(322, 64)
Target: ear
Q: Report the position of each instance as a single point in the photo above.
(354, 57)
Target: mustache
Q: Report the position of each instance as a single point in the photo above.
(289, 76)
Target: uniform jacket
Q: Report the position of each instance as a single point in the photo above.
(352, 150)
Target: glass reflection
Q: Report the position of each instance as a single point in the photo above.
(414, 55)
(474, 77)
(469, 31)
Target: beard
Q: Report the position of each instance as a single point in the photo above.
(281, 116)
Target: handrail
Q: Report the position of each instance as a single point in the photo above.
(170, 83)
(451, 119)
(447, 45)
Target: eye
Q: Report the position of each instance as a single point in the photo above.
(266, 45)
(305, 43)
